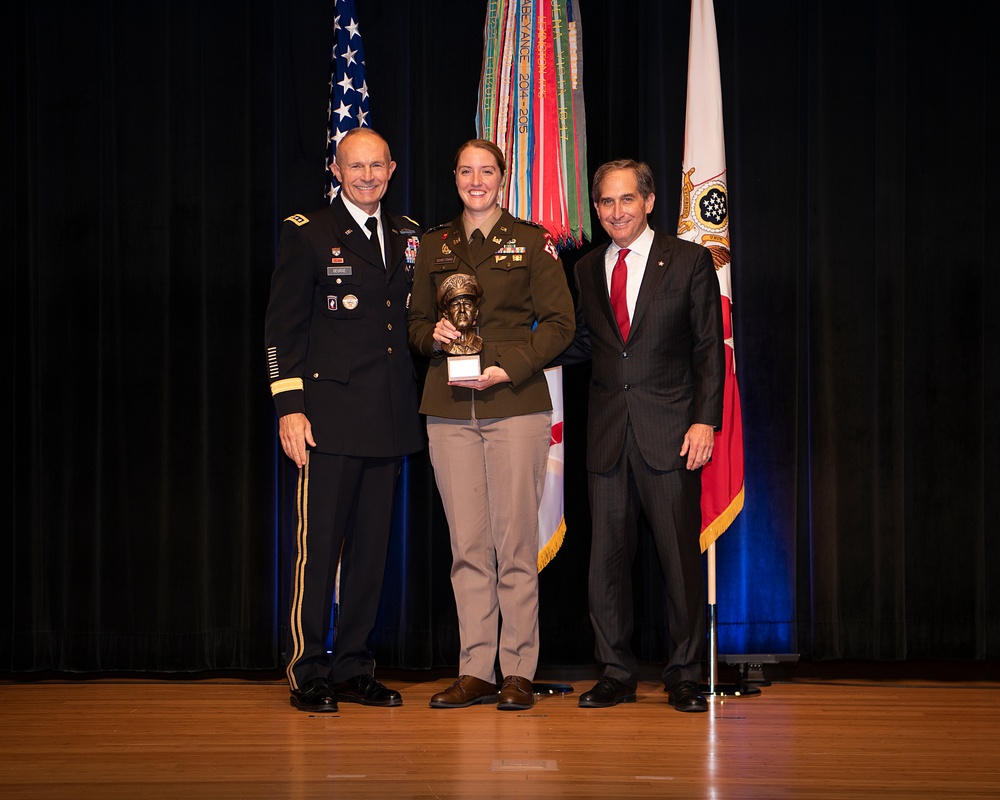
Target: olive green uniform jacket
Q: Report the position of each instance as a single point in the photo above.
(526, 316)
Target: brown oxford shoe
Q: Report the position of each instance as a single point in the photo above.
(315, 697)
(466, 691)
(516, 694)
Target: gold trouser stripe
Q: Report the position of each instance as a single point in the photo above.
(298, 579)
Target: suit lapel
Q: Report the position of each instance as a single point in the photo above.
(455, 242)
(599, 286)
(656, 268)
(393, 245)
(502, 232)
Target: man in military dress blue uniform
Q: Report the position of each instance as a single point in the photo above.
(345, 393)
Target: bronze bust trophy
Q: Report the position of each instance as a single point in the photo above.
(458, 300)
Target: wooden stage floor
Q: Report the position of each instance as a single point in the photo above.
(821, 736)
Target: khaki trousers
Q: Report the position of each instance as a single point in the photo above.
(490, 474)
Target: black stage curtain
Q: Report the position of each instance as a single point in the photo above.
(154, 149)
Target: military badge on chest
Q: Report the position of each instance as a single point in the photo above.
(337, 266)
(348, 302)
(510, 248)
(412, 246)
(339, 270)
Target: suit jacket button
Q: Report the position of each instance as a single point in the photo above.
(628, 386)
(625, 354)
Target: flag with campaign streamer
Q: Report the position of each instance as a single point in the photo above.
(704, 218)
(348, 105)
(531, 107)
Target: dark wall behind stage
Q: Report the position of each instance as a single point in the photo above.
(155, 147)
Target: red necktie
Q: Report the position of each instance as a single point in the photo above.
(619, 302)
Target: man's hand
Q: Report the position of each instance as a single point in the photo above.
(295, 432)
(699, 441)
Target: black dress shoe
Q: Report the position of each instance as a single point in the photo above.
(315, 697)
(686, 696)
(367, 690)
(608, 692)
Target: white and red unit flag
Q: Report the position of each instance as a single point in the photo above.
(704, 218)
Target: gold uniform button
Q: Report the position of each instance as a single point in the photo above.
(315, 374)
(390, 351)
(389, 326)
(388, 303)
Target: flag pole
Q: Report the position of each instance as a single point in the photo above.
(713, 638)
(704, 218)
(713, 688)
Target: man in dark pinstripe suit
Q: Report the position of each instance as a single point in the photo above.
(656, 386)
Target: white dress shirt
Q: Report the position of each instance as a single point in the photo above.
(635, 261)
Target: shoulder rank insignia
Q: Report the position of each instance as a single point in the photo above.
(439, 227)
(298, 219)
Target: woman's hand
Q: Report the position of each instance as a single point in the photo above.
(444, 333)
(490, 376)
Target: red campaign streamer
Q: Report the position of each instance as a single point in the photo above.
(548, 188)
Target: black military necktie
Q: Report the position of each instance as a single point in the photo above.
(372, 225)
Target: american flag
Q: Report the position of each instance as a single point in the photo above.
(348, 107)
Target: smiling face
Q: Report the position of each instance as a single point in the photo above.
(363, 167)
(478, 178)
(620, 207)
